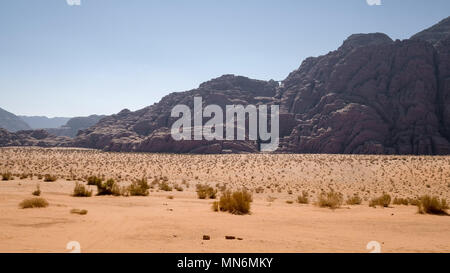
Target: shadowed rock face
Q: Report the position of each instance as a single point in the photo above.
(148, 130)
(377, 98)
(371, 96)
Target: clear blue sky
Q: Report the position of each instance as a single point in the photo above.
(106, 55)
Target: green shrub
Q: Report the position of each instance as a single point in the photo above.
(81, 191)
(139, 187)
(382, 201)
(50, 178)
(354, 200)
(36, 202)
(330, 200)
(205, 192)
(237, 202)
(432, 205)
(303, 199)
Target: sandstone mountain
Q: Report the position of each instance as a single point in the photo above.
(42, 122)
(372, 95)
(11, 122)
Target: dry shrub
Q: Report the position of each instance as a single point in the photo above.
(36, 202)
(50, 178)
(178, 188)
(7, 176)
(330, 199)
(110, 187)
(164, 186)
(139, 187)
(414, 201)
(303, 199)
(237, 202)
(383, 201)
(37, 192)
(206, 192)
(432, 205)
(94, 180)
(354, 200)
(81, 191)
(400, 201)
(79, 211)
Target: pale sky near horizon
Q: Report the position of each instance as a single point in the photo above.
(107, 55)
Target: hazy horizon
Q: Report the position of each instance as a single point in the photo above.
(103, 56)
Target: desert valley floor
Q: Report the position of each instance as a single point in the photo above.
(176, 221)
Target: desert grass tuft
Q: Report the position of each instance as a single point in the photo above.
(331, 199)
(303, 199)
(354, 200)
(139, 187)
(383, 201)
(35, 202)
(206, 192)
(81, 191)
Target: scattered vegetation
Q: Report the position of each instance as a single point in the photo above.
(35, 202)
(432, 205)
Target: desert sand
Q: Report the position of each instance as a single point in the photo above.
(157, 223)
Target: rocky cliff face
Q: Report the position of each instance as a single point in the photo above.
(148, 130)
(371, 96)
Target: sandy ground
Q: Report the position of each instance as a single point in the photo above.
(158, 224)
